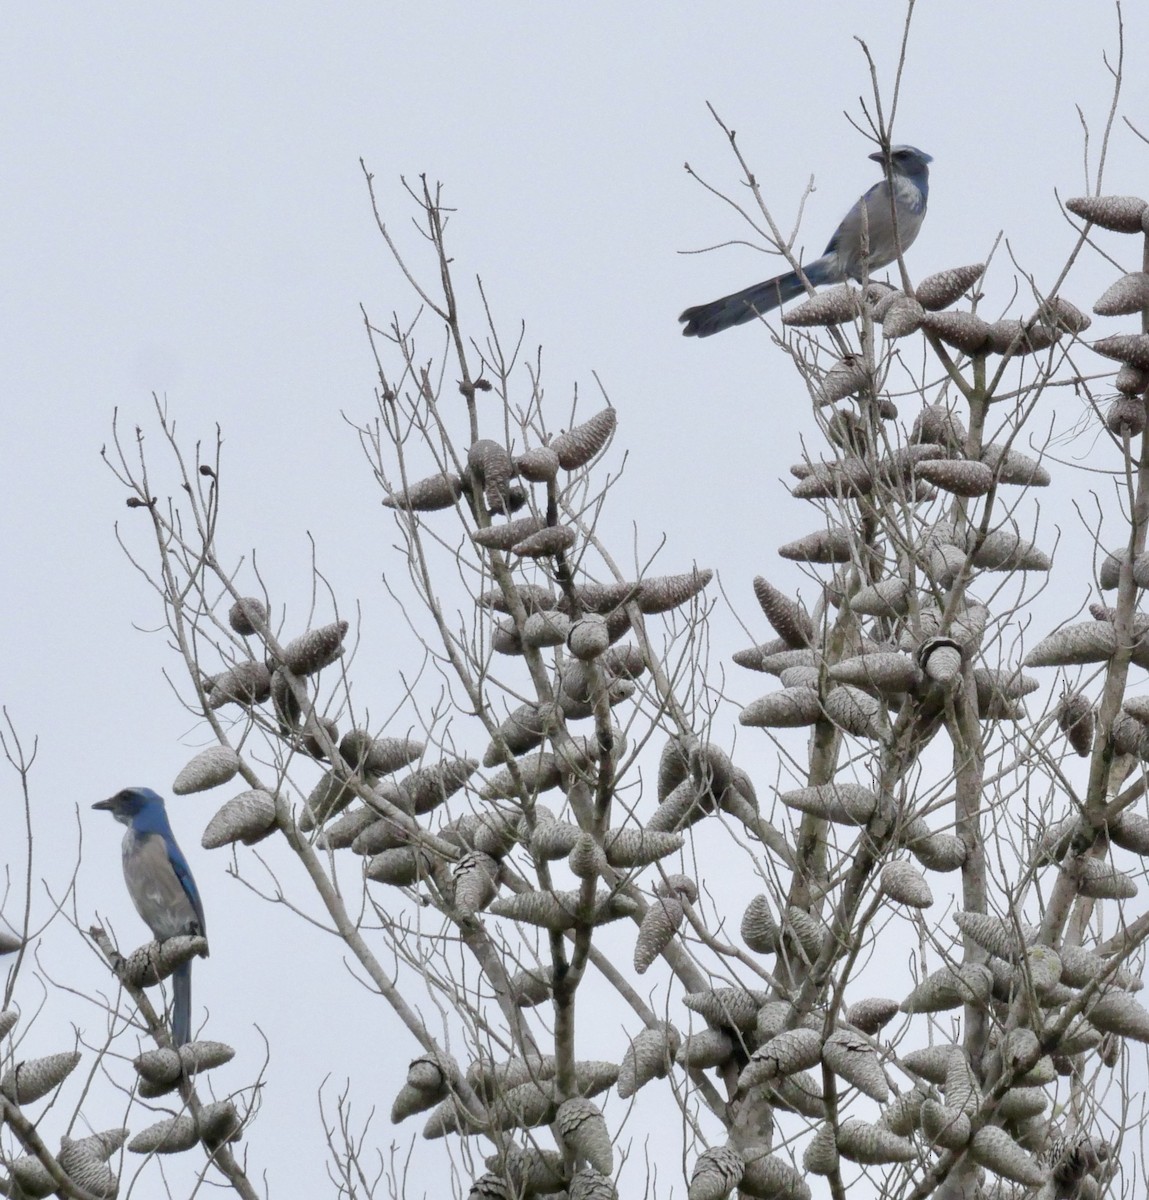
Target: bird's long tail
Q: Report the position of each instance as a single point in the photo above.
(181, 1006)
(743, 306)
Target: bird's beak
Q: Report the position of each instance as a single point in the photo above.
(106, 805)
(877, 157)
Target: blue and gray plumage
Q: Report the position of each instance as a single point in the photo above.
(866, 240)
(160, 884)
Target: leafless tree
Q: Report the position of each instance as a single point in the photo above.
(552, 825)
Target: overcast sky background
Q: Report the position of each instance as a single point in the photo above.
(183, 213)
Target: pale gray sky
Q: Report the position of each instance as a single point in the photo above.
(183, 212)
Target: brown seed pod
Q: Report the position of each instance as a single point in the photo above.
(1122, 214)
(504, 536)
(315, 649)
(1004, 550)
(903, 882)
(583, 1131)
(539, 773)
(552, 840)
(31, 1080)
(941, 290)
(992, 934)
(489, 466)
(940, 658)
(1126, 416)
(1130, 294)
(589, 636)
(1074, 645)
(854, 711)
(963, 330)
(331, 795)
(887, 598)
(824, 546)
(558, 911)
(529, 1170)
(831, 307)
(1075, 720)
(949, 988)
(246, 683)
(1117, 1012)
(1131, 381)
(476, 878)
(579, 445)
(378, 755)
(287, 706)
(937, 424)
(427, 495)
(945, 1127)
(717, 1172)
(930, 1063)
(588, 1184)
(649, 1056)
(543, 629)
(667, 592)
(210, 768)
(872, 1014)
(790, 708)
(903, 317)
(661, 922)
(247, 616)
(1101, 880)
(84, 1161)
(771, 657)
(831, 481)
(759, 930)
(846, 377)
(538, 465)
(1016, 338)
(523, 730)
(554, 539)
(1129, 348)
(1130, 831)
(587, 860)
(936, 851)
(961, 477)
(155, 961)
(844, 803)
(784, 1054)
(733, 1007)
(851, 1057)
(1013, 467)
(708, 1048)
(888, 673)
(247, 818)
(769, 1177)
(861, 1142)
(429, 787)
(1062, 315)
(630, 848)
(821, 1154)
(992, 1147)
(787, 617)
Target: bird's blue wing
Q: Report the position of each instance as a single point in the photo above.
(184, 875)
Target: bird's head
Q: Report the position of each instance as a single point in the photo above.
(128, 804)
(905, 160)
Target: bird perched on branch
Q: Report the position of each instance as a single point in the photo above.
(160, 884)
(867, 238)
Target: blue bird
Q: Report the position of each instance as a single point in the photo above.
(160, 884)
(866, 239)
